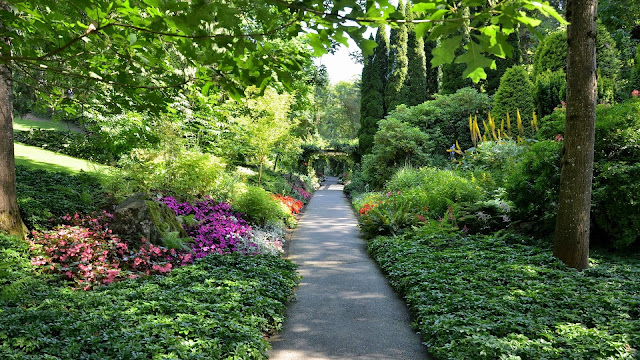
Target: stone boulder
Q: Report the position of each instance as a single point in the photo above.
(139, 216)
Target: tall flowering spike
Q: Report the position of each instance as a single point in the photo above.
(520, 127)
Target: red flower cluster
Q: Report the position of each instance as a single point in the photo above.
(294, 205)
(366, 208)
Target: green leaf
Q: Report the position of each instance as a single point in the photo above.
(476, 62)
(367, 47)
(318, 45)
(445, 53)
(132, 38)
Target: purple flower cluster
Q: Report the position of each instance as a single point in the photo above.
(218, 229)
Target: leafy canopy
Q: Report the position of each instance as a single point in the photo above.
(149, 48)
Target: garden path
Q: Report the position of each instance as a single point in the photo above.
(345, 308)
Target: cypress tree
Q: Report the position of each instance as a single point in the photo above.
(365, 139)
(415, 85)
(372, 107)
(431, 72)
(380, 69)
(398, 64)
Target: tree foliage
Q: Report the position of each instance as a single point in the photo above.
(396, 92)
(416, 81)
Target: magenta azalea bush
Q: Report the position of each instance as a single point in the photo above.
(301, 193)
(216, 229)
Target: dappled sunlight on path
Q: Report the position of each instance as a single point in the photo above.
(345, 309)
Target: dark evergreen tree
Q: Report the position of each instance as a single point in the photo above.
(430, 71)
(380, 68)
(398, 64)
(365, 138)
(415, 84)
(372, 107)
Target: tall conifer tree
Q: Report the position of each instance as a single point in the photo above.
(398, 64)
(416, 81)
(372, 107)
(431, 71)
(380, 69)
(365, 136)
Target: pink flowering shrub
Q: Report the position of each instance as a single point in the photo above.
(301, 193)
(87, 253)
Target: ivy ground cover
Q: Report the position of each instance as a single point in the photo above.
(218, 308)
(500, 297)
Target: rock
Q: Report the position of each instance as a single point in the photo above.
(139, 216)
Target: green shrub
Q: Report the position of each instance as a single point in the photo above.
(533, 187)
(486, 217)
(175, 172)
(515, 93)
(434, 189)
(397, 143)
(221, 307)
(391, 215)
(616, 199)
(499, 158)
(446, 118)
(552, 125)
(552, 55)
(44, 195)
(617, 150)
(261, 207)
(550, 91)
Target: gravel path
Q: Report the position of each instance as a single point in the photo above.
(345, 308)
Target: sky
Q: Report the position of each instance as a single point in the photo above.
(340, 66)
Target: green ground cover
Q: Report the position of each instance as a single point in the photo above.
(503, 297)
(218, 308)
(36, 157)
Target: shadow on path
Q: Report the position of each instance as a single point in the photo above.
(345, 309)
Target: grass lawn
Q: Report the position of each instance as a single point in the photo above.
(21, 124)
(48, 160)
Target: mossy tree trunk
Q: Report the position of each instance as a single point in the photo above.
(10, 220)
(571, 242)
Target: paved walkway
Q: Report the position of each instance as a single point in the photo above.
(345, 309)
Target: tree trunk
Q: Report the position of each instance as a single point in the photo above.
(571, 242)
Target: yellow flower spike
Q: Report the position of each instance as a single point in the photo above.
(520, 127)
(508, 123)
(478, 130)
(486, 128)
(535, 122)
(472, 130)
(501, 129)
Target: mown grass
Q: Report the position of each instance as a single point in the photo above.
(502, 297)
(21, 124)
(38, 158)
